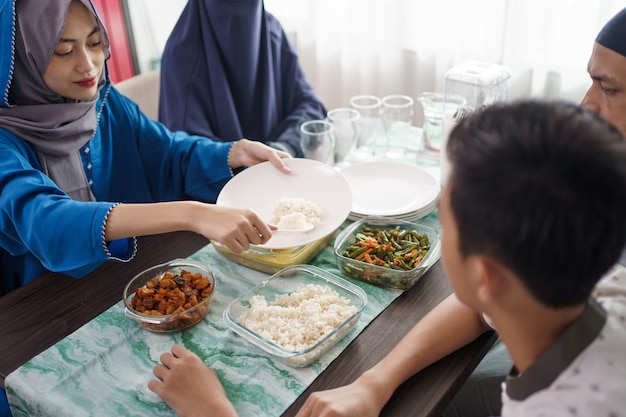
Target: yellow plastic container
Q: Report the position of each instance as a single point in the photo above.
(273, 260)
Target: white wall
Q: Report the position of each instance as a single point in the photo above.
(152, 22)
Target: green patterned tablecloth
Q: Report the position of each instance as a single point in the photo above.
(103, 368)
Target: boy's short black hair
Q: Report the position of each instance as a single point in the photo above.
(541, 187)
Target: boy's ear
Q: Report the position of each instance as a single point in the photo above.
(492, 279)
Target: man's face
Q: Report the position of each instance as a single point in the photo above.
(607, 94)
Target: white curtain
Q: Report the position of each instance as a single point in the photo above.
(380, 47)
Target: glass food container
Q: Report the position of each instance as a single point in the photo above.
(173, 271)
(384, 276)
(285, 282)
(273, 260)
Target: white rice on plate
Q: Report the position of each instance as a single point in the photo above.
(292, 213)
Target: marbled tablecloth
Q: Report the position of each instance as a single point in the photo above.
(103, 368)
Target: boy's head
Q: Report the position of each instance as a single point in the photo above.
(541, 189)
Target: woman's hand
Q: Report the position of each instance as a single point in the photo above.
(187, 385)
(245, 153)
(236, 228)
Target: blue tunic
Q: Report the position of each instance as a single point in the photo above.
(131, 159)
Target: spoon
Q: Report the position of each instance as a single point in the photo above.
(306, 227)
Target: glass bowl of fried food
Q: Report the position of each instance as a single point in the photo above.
(171, 296)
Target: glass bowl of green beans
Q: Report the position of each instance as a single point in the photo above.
(386, 252)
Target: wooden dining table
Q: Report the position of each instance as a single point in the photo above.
(43, 312)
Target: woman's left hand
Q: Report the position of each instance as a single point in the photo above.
(246, 152)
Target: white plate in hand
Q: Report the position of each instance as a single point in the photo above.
(260, 186)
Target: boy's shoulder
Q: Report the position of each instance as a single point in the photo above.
(612, 286)
(591, 386)
(591, 383)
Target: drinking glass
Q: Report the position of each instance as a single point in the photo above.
(436, 106)
(346, 128)
(397, 119)
(317, 140)
(370, 124)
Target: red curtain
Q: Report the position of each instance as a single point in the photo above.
(121, 64)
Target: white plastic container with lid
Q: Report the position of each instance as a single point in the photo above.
(481, 83)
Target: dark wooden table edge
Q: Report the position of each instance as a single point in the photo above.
(12, 357)
(459, 364)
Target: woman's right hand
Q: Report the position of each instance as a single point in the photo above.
(235, 228)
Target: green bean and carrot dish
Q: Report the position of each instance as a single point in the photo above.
(386, 254)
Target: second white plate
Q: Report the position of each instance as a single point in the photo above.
(389, 188)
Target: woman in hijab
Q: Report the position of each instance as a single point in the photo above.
(82, 170)
(228, 72)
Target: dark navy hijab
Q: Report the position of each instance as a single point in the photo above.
(228, 72)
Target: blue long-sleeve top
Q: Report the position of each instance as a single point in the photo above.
(131, 159)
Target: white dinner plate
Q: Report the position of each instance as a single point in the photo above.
(259, 187)
(390, 188)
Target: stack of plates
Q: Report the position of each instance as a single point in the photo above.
(391, 189)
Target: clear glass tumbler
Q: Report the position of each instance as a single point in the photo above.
(370, 124)
(346, 128)
(317, 139)
(397, 119)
